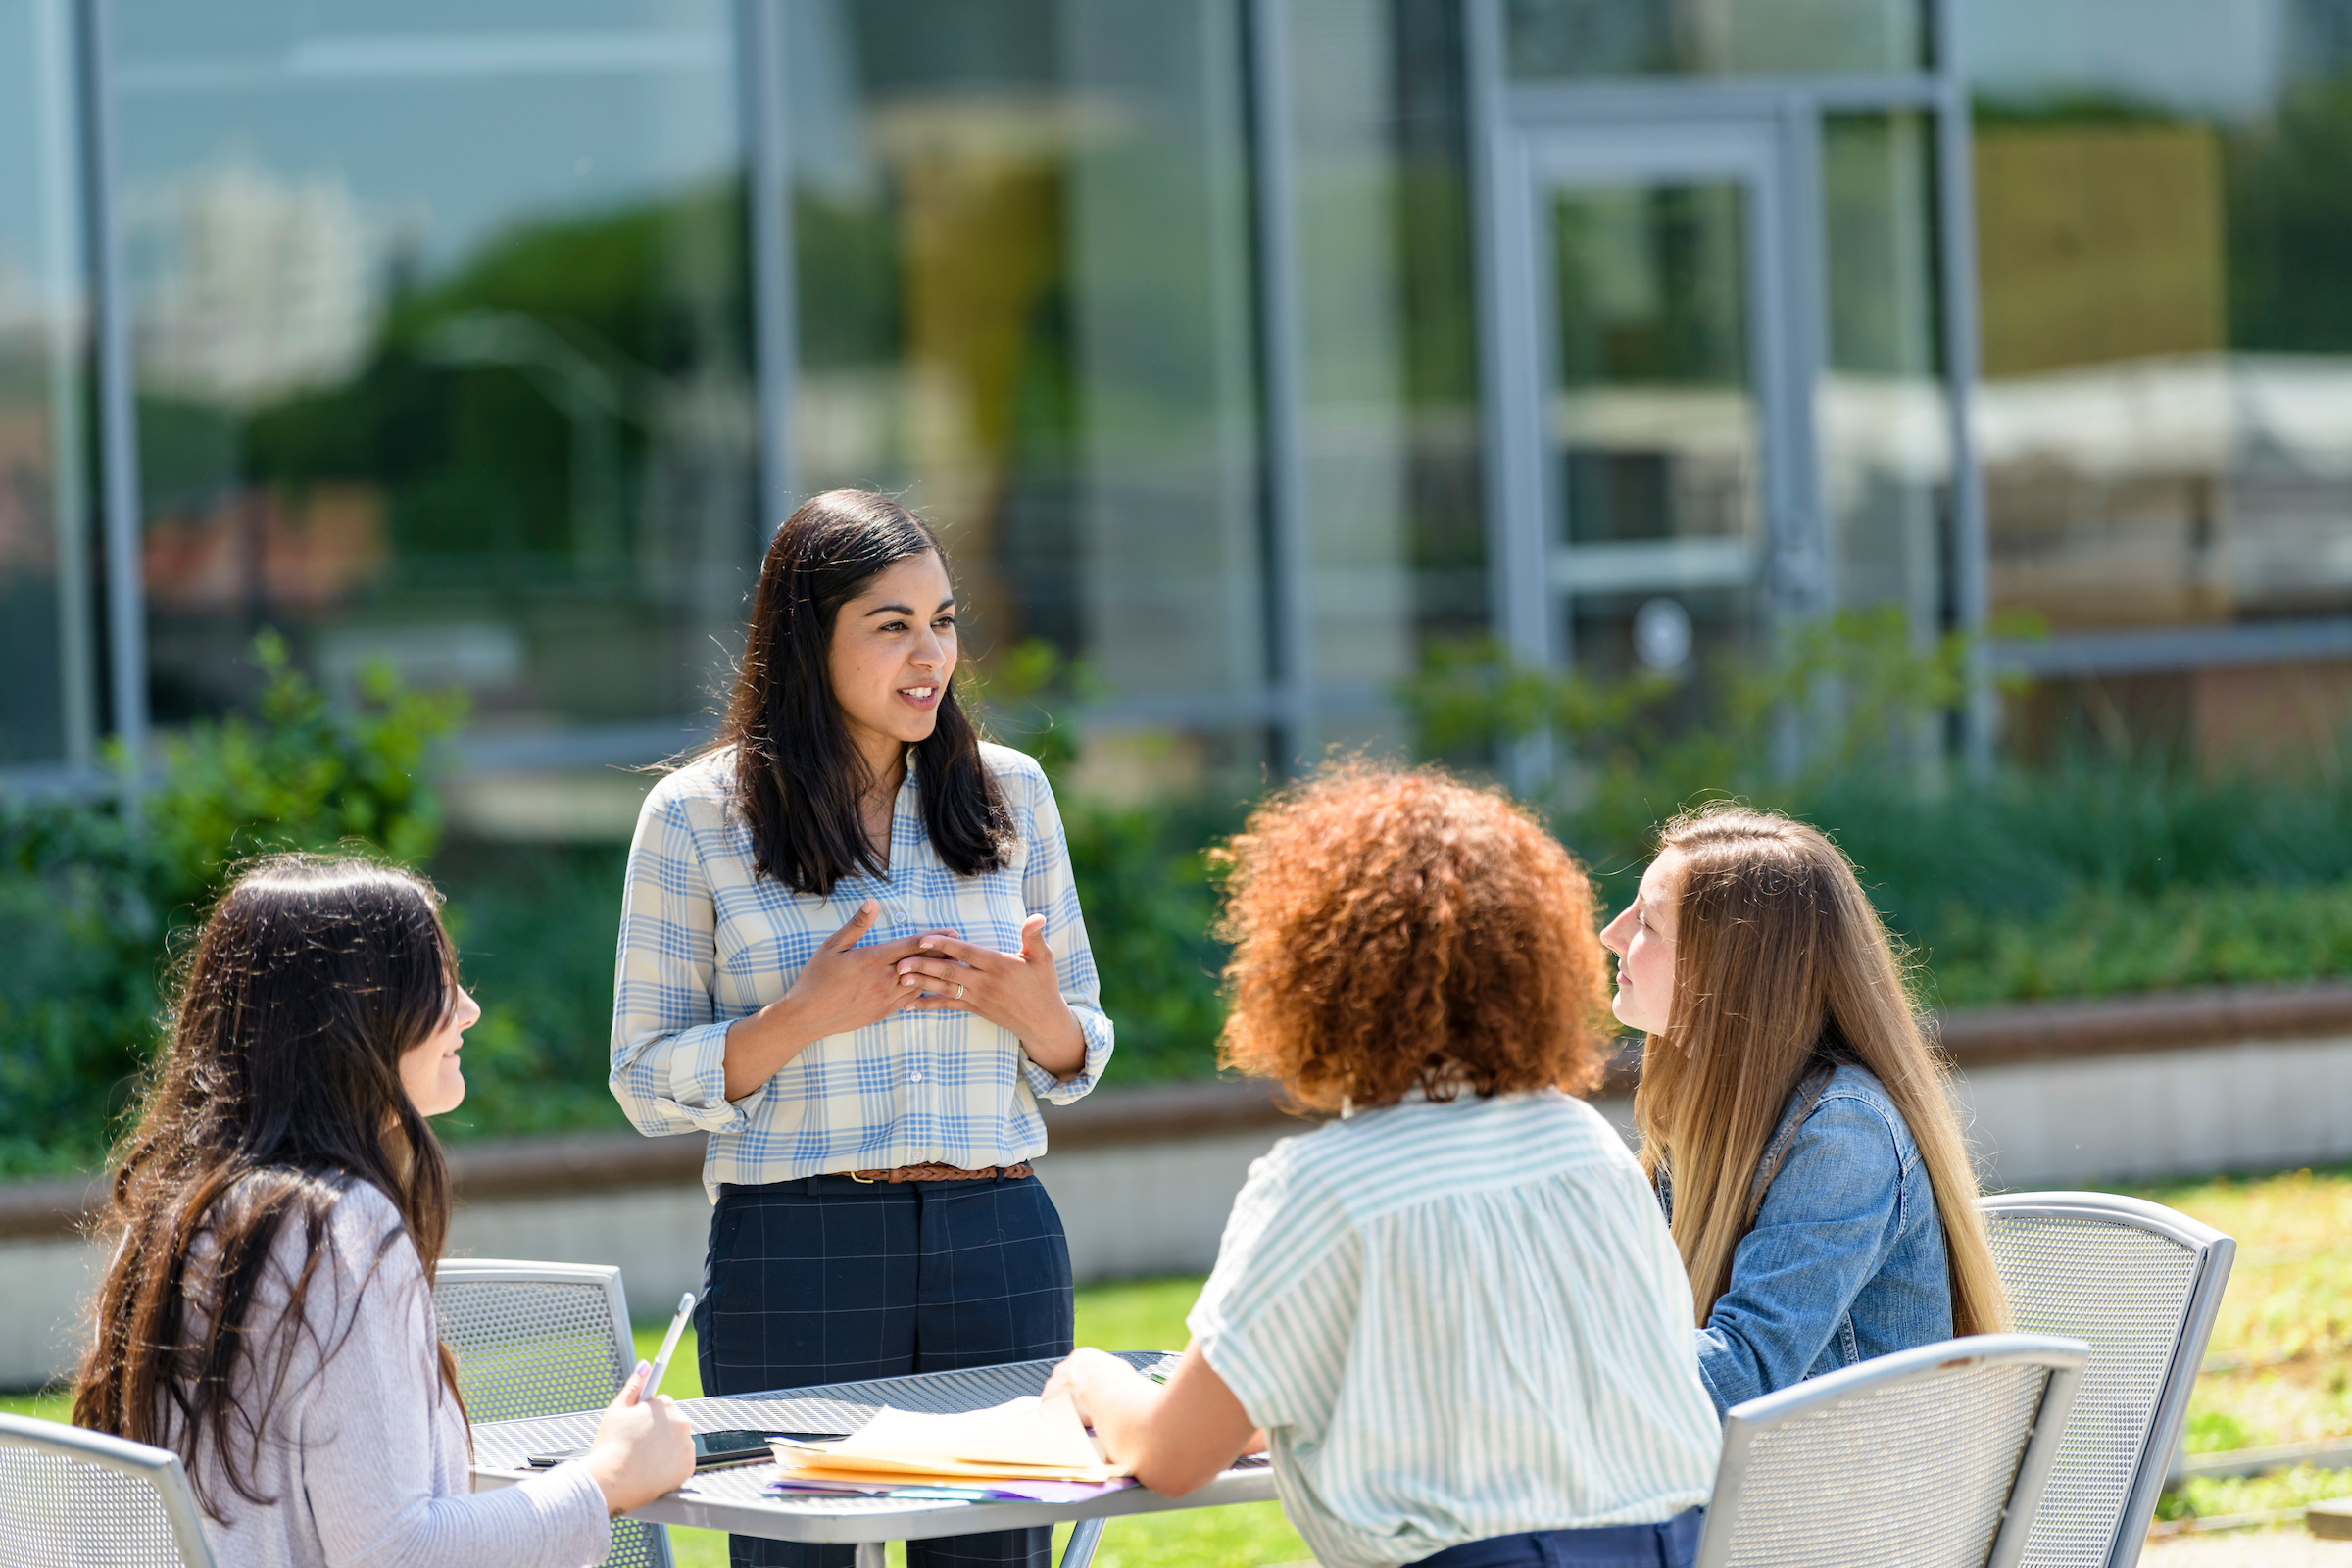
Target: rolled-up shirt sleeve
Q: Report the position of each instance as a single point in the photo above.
(1050, 889)
(668, 1044)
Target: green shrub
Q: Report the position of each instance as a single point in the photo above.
(93, 903)
(536, 926)
(1142, 873)
(2099, 873)
(2102, 943)
(2092, 877)
(83, 931)
(1143, 877)
(298, 773)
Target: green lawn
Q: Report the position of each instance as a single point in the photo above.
(47, 1407)
(2277, 1368)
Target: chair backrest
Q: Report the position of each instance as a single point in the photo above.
(2142, 1285)
(1932, 1458)
(71, 1499)
(543, 1339)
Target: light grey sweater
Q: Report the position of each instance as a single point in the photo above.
(365, 1453)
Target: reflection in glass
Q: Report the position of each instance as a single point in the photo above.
(1023, 240)
(2162, 235)
(1612, 634)
(46, 700)
(1884, 414)
(440, 331)
(1597, 38)
(1394, 533)
(1654, 417)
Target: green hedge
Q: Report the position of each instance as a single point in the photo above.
(2097, 874)
(94, 904)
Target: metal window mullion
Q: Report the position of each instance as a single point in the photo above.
(1523, 604)
(775, 324)
(1803, 297)
(1685, 101)
(1956, 222)
(68, 257)
(1283, 377)
(117, 406)
(1517, 560)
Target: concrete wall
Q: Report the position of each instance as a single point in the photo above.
(2269, 1104)
(44, 1286)
(1158, 1207)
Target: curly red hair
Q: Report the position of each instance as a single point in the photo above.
(1395, 930)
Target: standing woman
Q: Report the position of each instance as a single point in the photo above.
(1796, 1123)
(851, 951)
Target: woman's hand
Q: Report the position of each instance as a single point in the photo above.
(843, 987)
(643, 1448)
(1175, 1439)
(1087, 1364)
(1017, 992)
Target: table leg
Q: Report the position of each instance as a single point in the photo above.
(872, 1554)
(1084, 1535)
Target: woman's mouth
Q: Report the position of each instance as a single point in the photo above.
(920, 696)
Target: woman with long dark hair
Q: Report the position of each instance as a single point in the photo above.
(851, 951)
(1795, 1121)
(280, 1209)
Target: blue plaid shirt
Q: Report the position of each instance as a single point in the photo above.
(706, 939)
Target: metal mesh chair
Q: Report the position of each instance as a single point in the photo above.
(1931, 1458)
(2141, 1284)
(538, 1340)
(71, 1499)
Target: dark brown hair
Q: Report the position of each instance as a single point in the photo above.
(798, 776)
(1400, 930)
(1781, 971)
(278, 1093)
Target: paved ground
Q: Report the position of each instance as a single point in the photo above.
(2248, 1549)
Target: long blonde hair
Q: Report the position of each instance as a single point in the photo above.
(1782, 971)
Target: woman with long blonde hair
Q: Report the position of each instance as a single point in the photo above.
(1794, 1118)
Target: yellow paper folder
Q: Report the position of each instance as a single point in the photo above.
(1030, 1438)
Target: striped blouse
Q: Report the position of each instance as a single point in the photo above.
(705, 939)
(1457, 1321)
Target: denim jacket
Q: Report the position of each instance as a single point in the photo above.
(1846, 1257)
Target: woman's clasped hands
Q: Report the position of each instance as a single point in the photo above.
(845, 987)
(1019, 992)
(842, 988)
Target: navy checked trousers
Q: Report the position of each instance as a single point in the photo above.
(830, 1280)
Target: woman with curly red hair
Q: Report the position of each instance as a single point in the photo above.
(1453, 1314)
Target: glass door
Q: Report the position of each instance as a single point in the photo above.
(1656, 434)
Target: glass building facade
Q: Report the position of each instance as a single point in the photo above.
(1243, 349)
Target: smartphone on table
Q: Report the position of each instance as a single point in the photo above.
(732, 1445)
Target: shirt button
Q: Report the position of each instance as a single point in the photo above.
(914, 1077)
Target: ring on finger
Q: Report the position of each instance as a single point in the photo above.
(959, 993)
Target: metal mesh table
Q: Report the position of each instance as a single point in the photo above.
(732, 1499)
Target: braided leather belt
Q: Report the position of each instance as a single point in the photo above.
(943, 1173)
